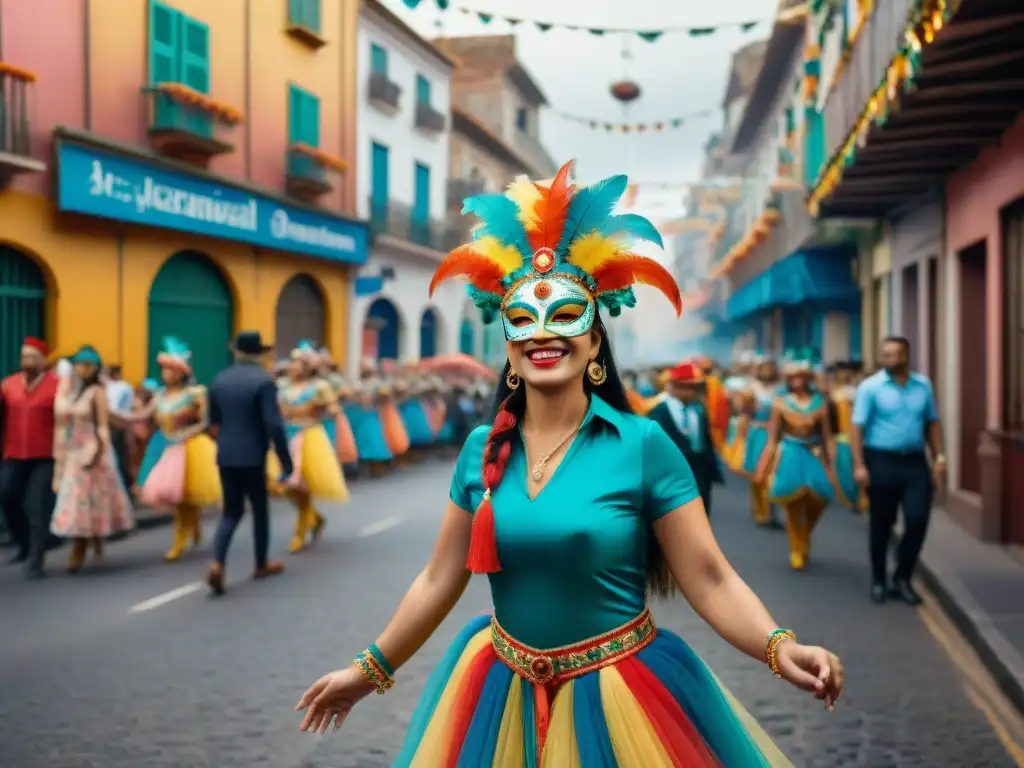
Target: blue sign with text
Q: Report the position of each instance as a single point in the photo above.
(99, 183)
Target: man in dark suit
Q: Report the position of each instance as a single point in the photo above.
(683, 415)
(247, 419)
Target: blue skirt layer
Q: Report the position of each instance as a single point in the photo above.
(155, 448)
(849, 491)
(757, 439)
(417, 425)
(368, 431)
(798, 473)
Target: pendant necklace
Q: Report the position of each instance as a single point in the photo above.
(538, 469)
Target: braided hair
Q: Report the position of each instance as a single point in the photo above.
(509, 409)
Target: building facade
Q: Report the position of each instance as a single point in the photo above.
(177, 168)
(402, 148)
(913, 98)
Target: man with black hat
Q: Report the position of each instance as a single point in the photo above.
(247, 419)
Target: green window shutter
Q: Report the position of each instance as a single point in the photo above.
(304, 13)
(295, 13)
(294, 114)
(195, 54)
(378, 59)
(303, 117)
(164, 59)
(311, 120)
(422, 90)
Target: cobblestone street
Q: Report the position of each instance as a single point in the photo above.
(131, 665)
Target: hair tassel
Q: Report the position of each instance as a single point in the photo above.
(483, 540)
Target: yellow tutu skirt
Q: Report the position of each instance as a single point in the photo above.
(316, 467)
(202, 479)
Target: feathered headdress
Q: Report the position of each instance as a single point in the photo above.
(538, 229)
(801, 361)
(307, 351)
(175, 354)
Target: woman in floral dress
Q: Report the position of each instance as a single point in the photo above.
(92, 502)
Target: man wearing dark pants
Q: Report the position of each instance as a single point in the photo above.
(247, 419)
(894, 420)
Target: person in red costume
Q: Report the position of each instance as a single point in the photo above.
(26, 475)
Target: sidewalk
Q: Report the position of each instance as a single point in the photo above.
(981, 588)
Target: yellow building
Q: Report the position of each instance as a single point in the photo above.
(180, 169)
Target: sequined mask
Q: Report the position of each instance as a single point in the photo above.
(547, 305)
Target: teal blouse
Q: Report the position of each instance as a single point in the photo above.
(573, 558)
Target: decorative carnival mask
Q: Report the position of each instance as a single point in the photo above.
(545, 257)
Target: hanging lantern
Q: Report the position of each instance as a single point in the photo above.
(625, 91)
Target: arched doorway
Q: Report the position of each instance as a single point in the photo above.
(467, 337)
(22, 305)
(190, 300)
(381, 331)
(430, 326)
(300, 314)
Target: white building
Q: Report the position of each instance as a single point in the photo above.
(402, 160)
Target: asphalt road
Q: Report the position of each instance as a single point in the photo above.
(131, 665)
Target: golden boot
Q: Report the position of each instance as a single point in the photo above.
(315, 522)
(180, 535)
(301, 528)
(759, 505)
(796, 530)
(76, 558)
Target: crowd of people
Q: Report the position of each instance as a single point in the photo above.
(83, 448)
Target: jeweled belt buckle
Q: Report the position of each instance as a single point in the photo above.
(542, 669)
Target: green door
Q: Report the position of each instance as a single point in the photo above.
(22, 306)
(191, 301)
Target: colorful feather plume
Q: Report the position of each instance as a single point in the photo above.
(484, 262)
(590, 208)
(551, 210)
(631, 225)
(591, 251)
(627, 268)
(499, 218)
(526, 195)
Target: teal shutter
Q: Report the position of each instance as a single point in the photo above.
(164, 24)
(303, 117)
(421, 204)
(378, 59)
(311, 119)
(195, 70)
(379, 185)
(422, 90)
(304, 13)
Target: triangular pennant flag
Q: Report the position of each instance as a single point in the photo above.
(443, 4)
(543, 26)
(677, 122)
(748, 26)
(412, 3)
(702, 31)
(513, 22)
(596, 32)
(609, 126)
(484, 17)
(659, 126)
(650, 37)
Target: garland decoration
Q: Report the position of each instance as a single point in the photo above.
(17, 73)
(321, 158)
(757, 234)
(190, 97)
(925, 22)
(611, 126)
(650, 35)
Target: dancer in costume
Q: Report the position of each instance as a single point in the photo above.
(337, 424)
(741, 398)
(371, 442)
(395, 433)
(306, 400)
(92, 502)
(179, 468)
(715, 400)
(795, 465)
(571, 670)
(843, 392)
(766, 387)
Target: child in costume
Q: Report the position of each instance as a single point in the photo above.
(179, 468)
(795, 466)
(92, 502)
(581, 509)
(306, 400)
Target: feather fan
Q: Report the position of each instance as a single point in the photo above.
(500, 218)
(589, 209)
(628, 268)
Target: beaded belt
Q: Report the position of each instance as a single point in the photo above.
(560, 664)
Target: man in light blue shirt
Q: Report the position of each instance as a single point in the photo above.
(895, 420)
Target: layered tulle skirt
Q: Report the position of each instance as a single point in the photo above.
(798, 472)
(174, 473)
(417, 423)
(368, 430)
(848, 491)
(734, 448)
(656, 707)
(316, 470)
(339, 432)
(754, 445)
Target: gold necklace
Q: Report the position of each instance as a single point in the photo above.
(538, 469)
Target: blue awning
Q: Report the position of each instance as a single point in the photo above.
(815, 276)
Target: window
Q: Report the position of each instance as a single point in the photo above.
(378, 60)
(422, 90)
(521, 118)
(303, 117)
(179, 52)
(304, 13)
(421, 203)
(380, 174)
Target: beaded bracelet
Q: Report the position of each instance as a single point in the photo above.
(771, 644)
(374, 672)
(374, 651)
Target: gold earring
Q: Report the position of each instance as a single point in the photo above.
(597, 373)
(512, 380)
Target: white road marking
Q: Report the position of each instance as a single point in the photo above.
(380, 526)
(166, 597)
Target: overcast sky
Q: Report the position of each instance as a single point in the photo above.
(678, 74)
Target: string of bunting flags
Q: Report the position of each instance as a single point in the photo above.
(612, 126)
(650, 35)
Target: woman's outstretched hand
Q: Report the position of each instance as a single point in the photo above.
(812, 669)
(331, 698)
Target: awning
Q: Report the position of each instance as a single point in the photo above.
(817, 276)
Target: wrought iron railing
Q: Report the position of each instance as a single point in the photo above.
(401, 221)
(15, 129)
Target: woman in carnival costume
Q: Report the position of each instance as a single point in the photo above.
(337, 424)
(741, 398)
(765, 387)
(92, 502)
(306, 401)
(395, 432)
(367, 427)
(411, 408)
(795, 466)
(179, 468)
(843, 392)
(573, 533)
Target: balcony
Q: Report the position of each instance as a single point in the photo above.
(533, 152)
(400, 222)
(460, 189)
(308, 171)
(188, 125)
(428, 118)
(15, 129)
(384, 93)
(916, 102)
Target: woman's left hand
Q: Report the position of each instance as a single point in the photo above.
(813, 669)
